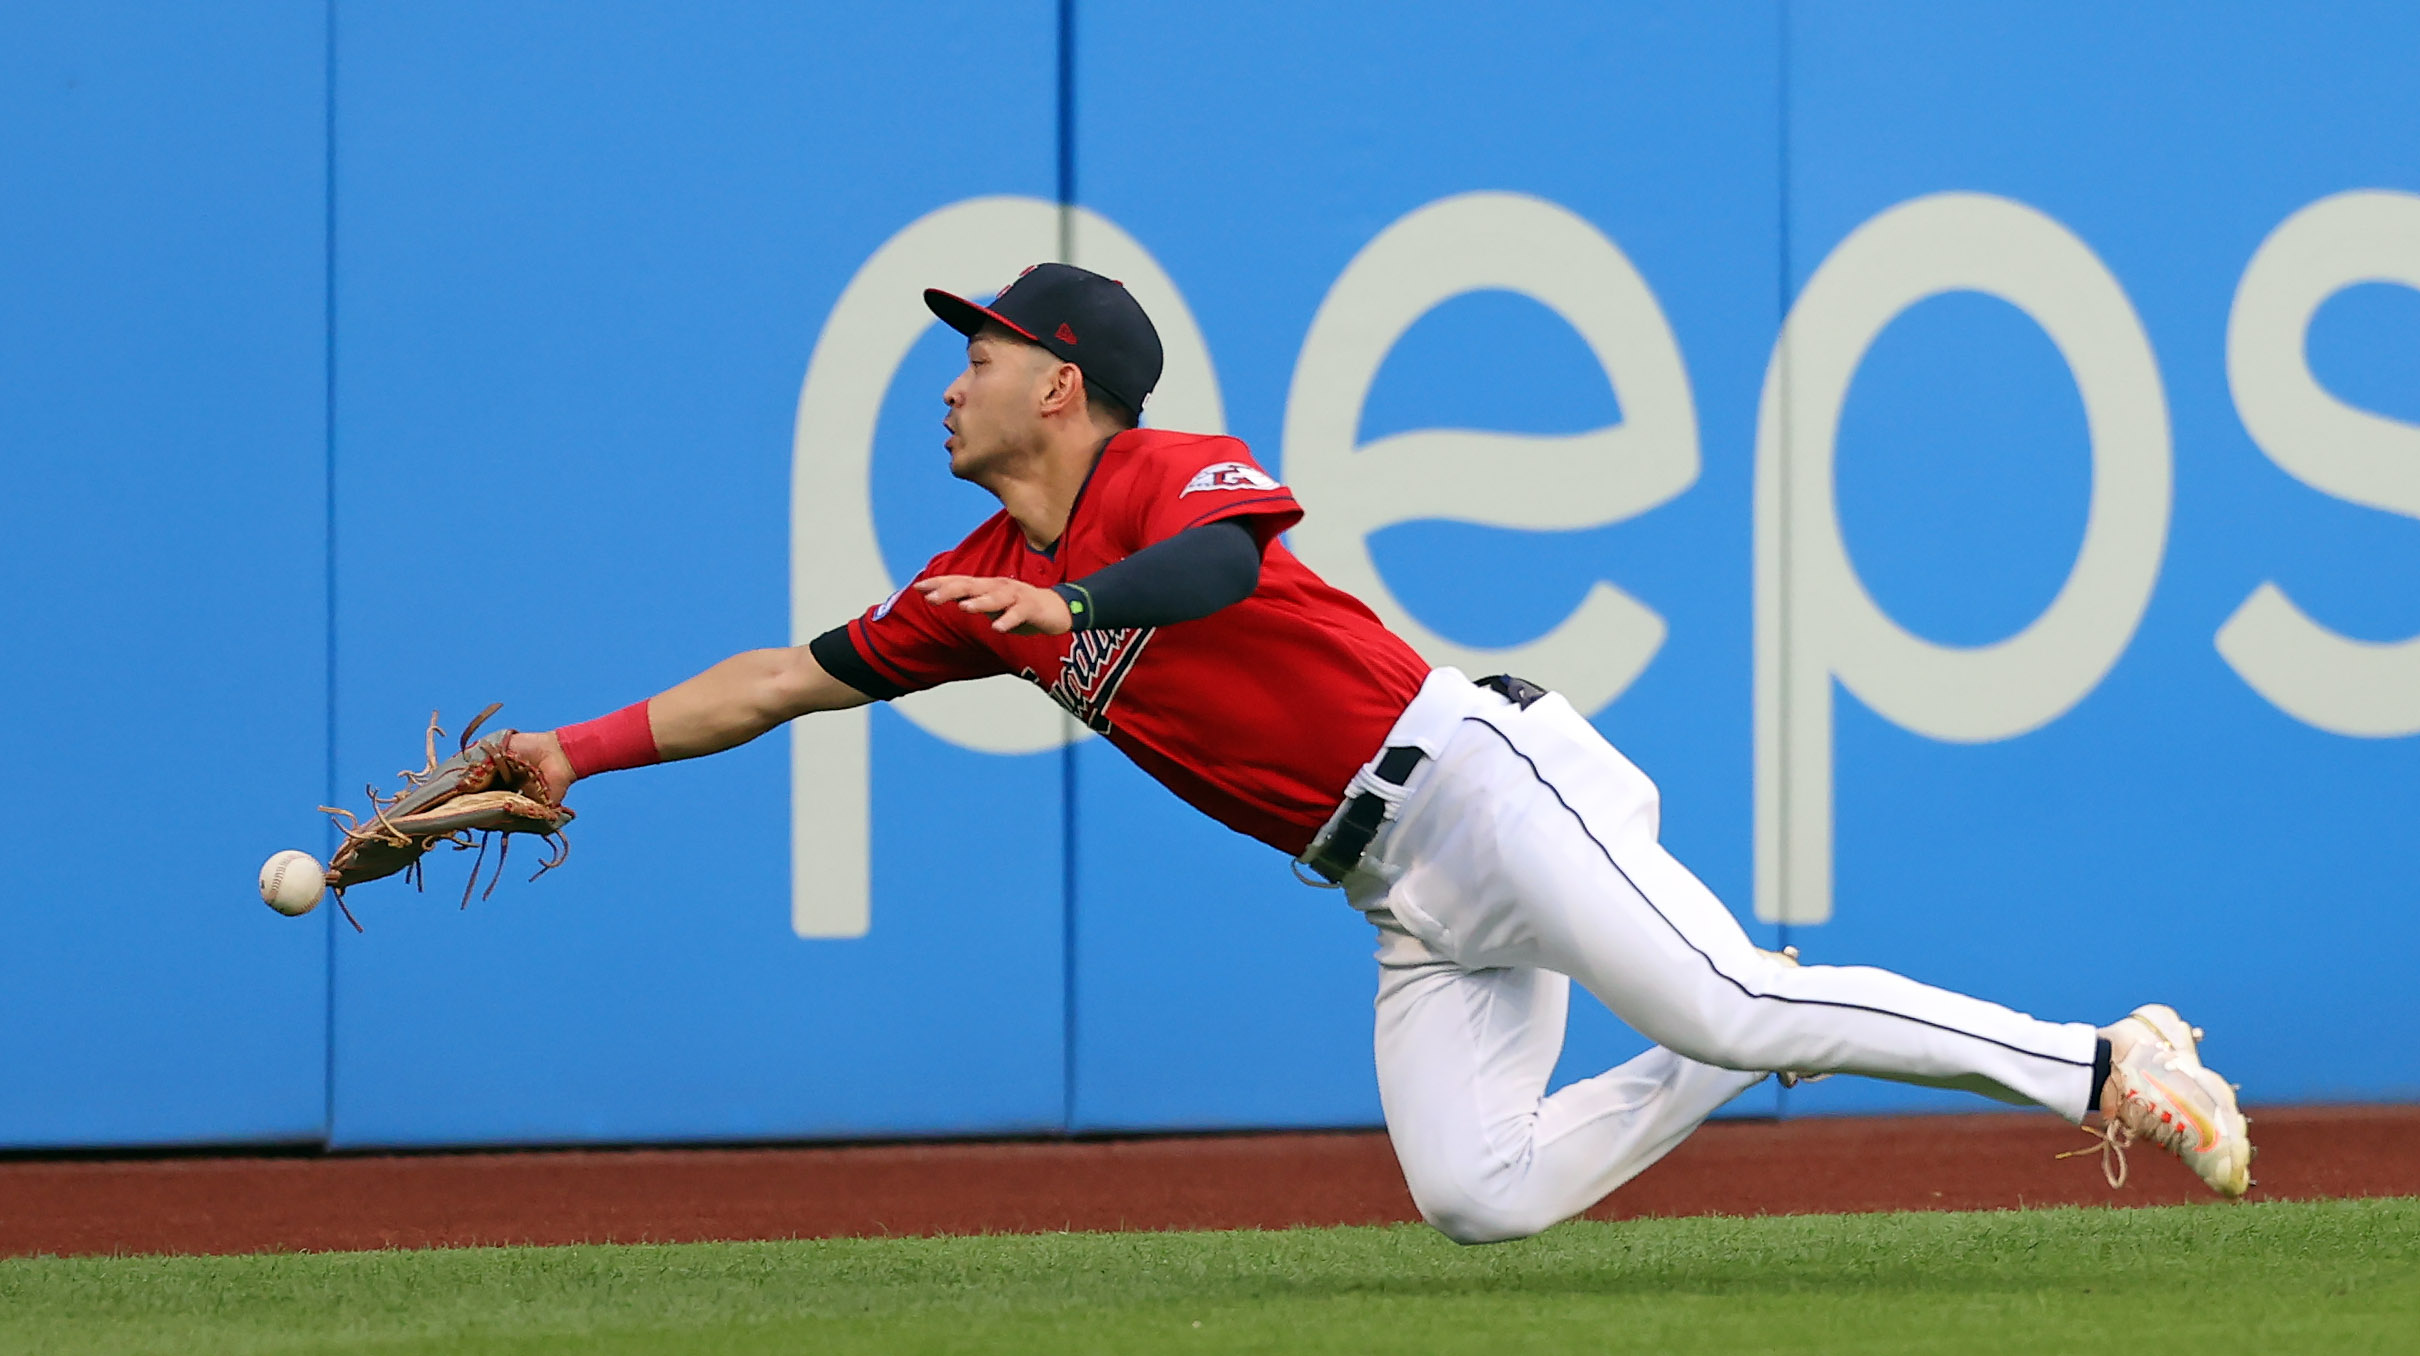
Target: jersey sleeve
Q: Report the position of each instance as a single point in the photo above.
(904, 644)
(1207, 480)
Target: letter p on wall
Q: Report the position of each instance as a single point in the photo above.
(1815, 620)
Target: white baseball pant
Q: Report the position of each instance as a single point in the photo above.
(1521, 855)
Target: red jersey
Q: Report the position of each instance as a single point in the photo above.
(1257, 714)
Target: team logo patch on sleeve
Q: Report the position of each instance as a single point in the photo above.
(1228, 475)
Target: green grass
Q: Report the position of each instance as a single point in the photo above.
(2338, 1277)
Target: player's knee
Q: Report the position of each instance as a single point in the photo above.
(1477, 1209)
(1470, 1222)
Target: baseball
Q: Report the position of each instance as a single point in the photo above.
(292, 882)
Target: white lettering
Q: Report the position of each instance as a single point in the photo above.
(1475, 242)
(2314, 674)
(1814, 619)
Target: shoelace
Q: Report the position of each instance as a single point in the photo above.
(2135, 1119)
(2110, 1142)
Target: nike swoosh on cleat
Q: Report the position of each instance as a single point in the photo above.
(2184, 1107)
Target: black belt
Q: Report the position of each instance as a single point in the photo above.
(1351, 837)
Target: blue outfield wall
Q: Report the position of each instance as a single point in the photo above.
(1967, 460)
(2175, 832)
(583, 254)
(163, 537)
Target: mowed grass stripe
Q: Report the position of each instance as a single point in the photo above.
(2340, 1276)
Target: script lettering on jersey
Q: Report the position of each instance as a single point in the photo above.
(1097, 663)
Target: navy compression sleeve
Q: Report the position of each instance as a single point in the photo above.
(1190, 575)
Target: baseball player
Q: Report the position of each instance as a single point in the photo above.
(1501, 847)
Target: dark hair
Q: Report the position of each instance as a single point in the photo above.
(1103, 403)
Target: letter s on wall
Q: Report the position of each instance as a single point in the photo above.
(2312, 673)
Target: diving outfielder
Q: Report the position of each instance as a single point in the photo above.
(1499, 845)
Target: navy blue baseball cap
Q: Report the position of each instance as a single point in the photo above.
(1080, 316)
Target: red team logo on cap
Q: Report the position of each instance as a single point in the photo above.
(1063, 334)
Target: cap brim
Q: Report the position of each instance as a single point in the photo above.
(966, 317)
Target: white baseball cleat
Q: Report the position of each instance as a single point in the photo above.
(2159, 1090)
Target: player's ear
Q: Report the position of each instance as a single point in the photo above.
(1066, 388)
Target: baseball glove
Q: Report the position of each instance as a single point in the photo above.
(462, 802)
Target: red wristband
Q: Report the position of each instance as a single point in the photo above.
(609, 743)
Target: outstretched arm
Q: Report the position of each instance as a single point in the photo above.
(724, 707)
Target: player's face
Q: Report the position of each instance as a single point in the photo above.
(995, 405)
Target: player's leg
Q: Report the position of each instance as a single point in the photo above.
(1463, 1060)
(1760, 1010)
(1534, 843)
(1725, 1000)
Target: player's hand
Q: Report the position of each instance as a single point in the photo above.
(544, 752)
(1015, 607)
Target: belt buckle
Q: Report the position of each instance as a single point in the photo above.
(1318, 880)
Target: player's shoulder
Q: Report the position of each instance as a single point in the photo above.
(1162, 446)
(1195, 460)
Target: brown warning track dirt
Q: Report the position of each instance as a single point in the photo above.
(269, 1204)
